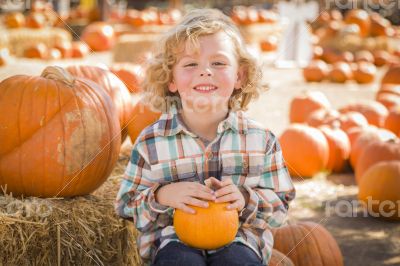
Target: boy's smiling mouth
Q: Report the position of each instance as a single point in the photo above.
(205, 88)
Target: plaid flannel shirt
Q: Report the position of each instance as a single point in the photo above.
(167, 151)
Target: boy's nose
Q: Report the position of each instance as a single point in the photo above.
(203, 74)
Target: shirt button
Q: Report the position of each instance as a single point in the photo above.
(245, 165)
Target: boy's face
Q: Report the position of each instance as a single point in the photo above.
(207, 76)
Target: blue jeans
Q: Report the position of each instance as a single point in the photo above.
(177, 254)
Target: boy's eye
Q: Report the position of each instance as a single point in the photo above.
(219, 64)
(190, 65)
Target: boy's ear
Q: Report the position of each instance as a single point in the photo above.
(241, 74)
(172, 87)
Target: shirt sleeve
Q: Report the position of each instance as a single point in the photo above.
(268, 202)
(136, 196)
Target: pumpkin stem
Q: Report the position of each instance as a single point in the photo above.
(59, 74)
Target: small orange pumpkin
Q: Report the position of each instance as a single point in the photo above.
(208, 228)
(375, 152)
(373, 111)
(339, 148)
(392, 76)
(131, 74)
(304, 104)
(361, 18)
(365, 72)
(316, 71)
(99, 36)
(14, 20)
(142, 117)
(79, 49)
(340, 72)
(305, 150)
(392, 121)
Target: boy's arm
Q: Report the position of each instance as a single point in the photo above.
(135, 198)
(268, 202)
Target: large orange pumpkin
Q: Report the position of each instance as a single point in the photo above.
(59, 135)
(379, 189)
(208, 228)
(339, 148)
(373, 111)
(305, 150)
(304, 104)
(113, 86)
(142, 117)
(99, 36)
(376, 152)
(307, 243)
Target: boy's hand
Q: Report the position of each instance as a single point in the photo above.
(180, 195)
(227, 191)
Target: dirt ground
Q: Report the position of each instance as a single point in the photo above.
(363, 240)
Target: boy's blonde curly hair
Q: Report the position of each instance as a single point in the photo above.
(197, 23)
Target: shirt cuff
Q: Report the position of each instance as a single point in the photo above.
(154, 205)
(249, 212)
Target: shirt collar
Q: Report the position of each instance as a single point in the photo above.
(170, 124)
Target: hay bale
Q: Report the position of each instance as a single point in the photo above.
(76, 231)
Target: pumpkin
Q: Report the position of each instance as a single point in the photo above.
(305, 150)
(389, 101)
(392, 76)
(14, 20)
(379, 25)
(336, 15)
(267, 16)
(352, 119)
(307, 243)
(209, 228)
(59, 135)
(142, 117)
(270, 43)
(38, 50)
(323, 117)
(361, 18)
(373, 111)
(304, 104)
(35, 20)
(113, 86)
(388, 89)
(316, 71)
(364, 56)
(339, 148)
(279, 259)
(317, 52)
(99, 36)
(365, 72)
(79, 49)
(370, 134)
(340, 72)
(381, 58)
(379, 189)
(131, 75)
(65, 48)
(392, 121)
(375, 152)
